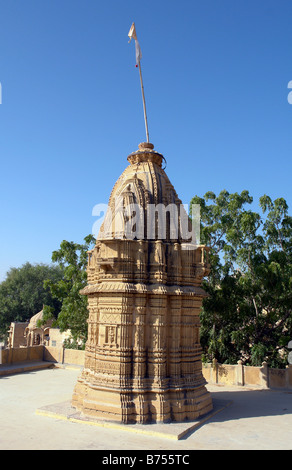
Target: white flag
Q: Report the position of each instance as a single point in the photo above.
(132, 32)
(138, 52)
(132, 35)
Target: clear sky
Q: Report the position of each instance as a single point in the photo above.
(216, 76)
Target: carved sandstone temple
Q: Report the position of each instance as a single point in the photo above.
(143, 356)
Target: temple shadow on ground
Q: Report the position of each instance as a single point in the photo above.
(247, 403)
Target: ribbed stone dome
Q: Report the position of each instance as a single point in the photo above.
(33, 323)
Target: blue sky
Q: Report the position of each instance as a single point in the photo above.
(215, 76)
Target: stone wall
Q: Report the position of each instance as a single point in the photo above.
(41, 353)
(64, 356)
(13, 355)
(263, 377)
(215, 373)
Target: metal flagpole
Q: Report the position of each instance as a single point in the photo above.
(132, 35)
(144, 103)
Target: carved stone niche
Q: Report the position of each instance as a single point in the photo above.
(143, 356)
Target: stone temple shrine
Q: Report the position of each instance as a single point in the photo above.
(143, 354)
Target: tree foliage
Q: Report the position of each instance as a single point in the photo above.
(22, 293)
(248, 313)
(72, 259)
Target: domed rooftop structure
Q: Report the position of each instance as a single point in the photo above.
(34, 333)
(33, 322)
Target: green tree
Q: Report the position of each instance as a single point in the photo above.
(22, 293)
(248, 313)
(72, 258)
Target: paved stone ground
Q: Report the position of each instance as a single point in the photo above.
(255, 419)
